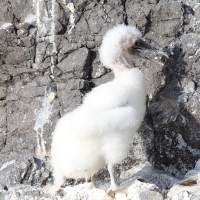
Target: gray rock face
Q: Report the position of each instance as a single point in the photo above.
(49, 60)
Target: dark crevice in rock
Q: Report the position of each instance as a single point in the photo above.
(27, 173)
(126, 16)
(5, 188)
(188, 11)
(148, 24)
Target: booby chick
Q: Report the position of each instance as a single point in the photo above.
(99, 132)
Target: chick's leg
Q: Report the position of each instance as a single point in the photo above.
(113, 182)
(58, 181)
(114, 186)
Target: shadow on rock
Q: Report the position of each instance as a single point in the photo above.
(174, 120)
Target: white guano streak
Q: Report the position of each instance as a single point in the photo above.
(52, 37)
(5, 165)
(37, 8)
(42, 114)
(42, 118)
(53, 26)
(70, 6)
(5, 25)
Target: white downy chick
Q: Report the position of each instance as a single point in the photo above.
(99, 132)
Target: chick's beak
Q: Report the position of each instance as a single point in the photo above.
(139, 45)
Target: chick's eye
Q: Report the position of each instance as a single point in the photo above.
(137, 43)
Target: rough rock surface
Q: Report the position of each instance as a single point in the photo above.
(49, 60)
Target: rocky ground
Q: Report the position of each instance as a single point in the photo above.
(49, 61)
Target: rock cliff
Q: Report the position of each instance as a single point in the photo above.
(49, 60)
